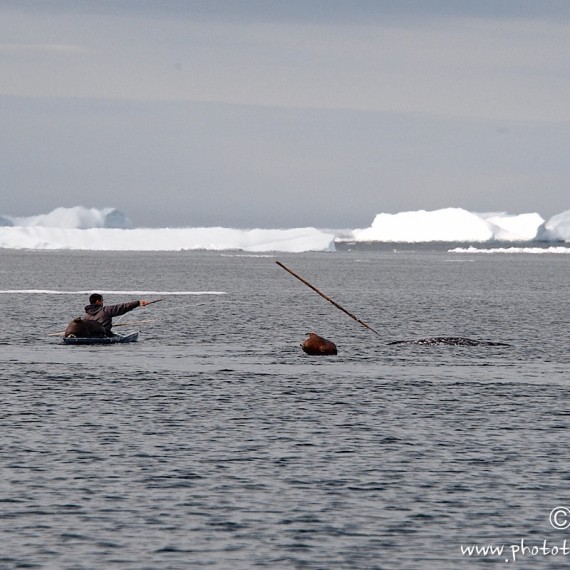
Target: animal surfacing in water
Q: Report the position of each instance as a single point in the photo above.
(316, 345)
(451, 341)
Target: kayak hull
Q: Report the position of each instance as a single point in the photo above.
(115, 339)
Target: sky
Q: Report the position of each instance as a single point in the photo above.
(281, 114)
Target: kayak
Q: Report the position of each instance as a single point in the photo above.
(116, 338)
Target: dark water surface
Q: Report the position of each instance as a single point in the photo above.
(216, 442)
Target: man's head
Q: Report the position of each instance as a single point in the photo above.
(95, 299)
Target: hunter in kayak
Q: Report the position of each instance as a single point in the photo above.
(103, 314)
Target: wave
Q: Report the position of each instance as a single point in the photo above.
(105, 292)
(537, 250)
(108, 229)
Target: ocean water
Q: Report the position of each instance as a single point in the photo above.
(215, 442)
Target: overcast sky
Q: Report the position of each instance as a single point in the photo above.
(284, 113)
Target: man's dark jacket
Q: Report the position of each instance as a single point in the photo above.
(104, 313)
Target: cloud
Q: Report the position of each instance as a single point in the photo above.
(336, 12)
(45, 49)
(271, 104)
(454, 66)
